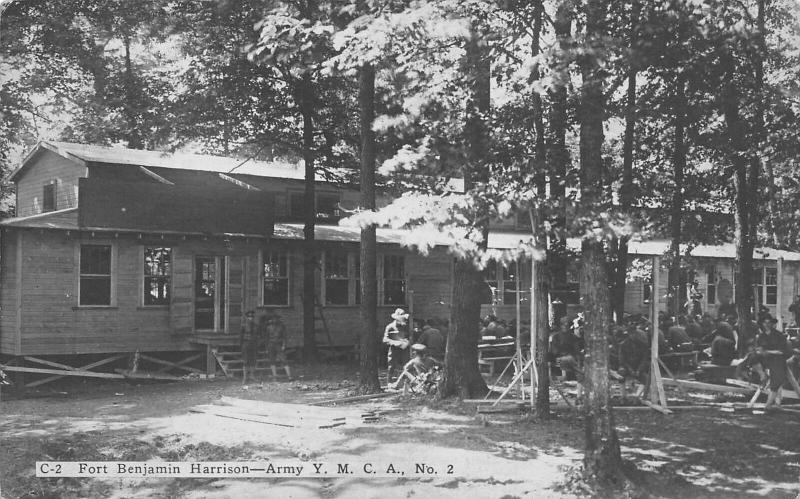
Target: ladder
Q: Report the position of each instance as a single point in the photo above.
(319, 318)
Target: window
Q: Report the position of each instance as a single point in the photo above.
(337, 278)
(504, 291)
(95, 275)
(490, 275)
(342, 273)
(157, 271)
(328, 207)
(510, 284)
(771, 286)
(647, 291)
(394, 280)
(765, 288)
(711, 285)
(49, 197)
(296, 206)
(275, 278)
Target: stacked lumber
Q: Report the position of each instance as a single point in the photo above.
(286, 415)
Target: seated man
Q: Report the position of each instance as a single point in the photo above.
(793, 365)
(433, 339)
(417, 371)
(634, 354)
(677, 337)
(565, 349)
(723, 348)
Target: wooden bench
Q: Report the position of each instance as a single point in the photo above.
(685, 359)
(489, 353)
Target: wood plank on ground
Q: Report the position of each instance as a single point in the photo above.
(787, 394)
(697, 385)
(286, 420)
(143, 375)
(80, 373)
(356, 398)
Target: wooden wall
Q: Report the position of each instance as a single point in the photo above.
(9, 296)
(48, 167)
(53, 323)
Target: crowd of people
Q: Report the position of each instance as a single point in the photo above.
(759, 350)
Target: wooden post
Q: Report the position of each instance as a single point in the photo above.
(211, 361)
(779, 300)
(534, 332)
(657, 395)
(518, 351)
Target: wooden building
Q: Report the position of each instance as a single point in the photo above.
(116, 251)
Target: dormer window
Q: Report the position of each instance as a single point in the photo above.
(49, 197)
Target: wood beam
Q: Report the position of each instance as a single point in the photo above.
(85, 374)
(81, 368)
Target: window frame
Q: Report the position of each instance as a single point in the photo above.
(382, 280)
(353, 276)
(112, 269)
(712, 280)
(647, 291)
(498, 283)
(761, 288)
(143, 275)
(52, 187)
(262, 278)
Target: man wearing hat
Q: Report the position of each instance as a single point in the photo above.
(249, 341)
(772, 346)
(275, 334)
(418, 368)
(396, 337)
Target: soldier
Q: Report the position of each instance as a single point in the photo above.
(396, 336)
(249, 342)
(275, 333)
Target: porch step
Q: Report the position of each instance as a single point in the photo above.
(231, 362)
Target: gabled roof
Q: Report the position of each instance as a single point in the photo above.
(85, 154)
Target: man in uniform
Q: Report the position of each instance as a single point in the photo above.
(249, 342)
(433, 339)
(275, 333)
(772, 345)
(418, 370)
(396, 337)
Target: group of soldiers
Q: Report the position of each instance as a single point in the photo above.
(426, 342)
(270, 332)
(758, 349)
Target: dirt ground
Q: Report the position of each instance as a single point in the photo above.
(705, 453)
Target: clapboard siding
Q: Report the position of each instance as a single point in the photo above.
(55, 324)
(9, 292)
(48, 167)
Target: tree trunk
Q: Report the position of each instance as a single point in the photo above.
(602, 458)
(540, 333)
(131, 105)
(626, 189)
(461, 375)
(676, 209)
(368, 360)
(743, 290)
(310, 353)
(559, 154)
